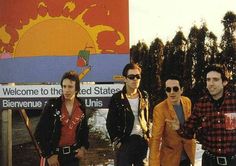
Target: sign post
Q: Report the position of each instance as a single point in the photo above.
(29, 128)
(6, 137)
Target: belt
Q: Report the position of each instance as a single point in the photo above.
(65, 150)
(221, 160)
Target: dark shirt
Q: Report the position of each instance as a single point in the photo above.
(209, 120)
(179, 112)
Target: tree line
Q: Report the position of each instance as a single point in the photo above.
(186, 57)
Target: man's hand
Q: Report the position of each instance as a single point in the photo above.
(53, 160)
(80, 153)
(116, 144)
(174, 124)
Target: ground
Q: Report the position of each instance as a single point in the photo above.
(100, 152)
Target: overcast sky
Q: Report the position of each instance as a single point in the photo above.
(163, 18)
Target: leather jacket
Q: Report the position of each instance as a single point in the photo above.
(120, 118)
(48, 130)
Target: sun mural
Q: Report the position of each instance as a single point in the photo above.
(63, 28)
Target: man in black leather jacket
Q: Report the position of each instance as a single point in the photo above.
(62, 131)
(128, 120)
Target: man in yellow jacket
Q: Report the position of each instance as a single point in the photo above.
(167, 148)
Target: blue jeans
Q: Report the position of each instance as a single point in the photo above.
(185, 162)
(132, 151)
(68, 159)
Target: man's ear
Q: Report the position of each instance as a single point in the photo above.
(225, 83)
(124, 80)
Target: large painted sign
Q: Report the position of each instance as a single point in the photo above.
(40, 39)
(35, 96)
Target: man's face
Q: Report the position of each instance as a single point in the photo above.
(132, 79)
(173, 91)
(68, 89)
(215, 85)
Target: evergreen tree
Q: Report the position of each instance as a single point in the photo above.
(166, 54)
(212, 53)
(155, 60)
(139, 55)
(203, 50)
(228, 43)
(199, 58)
(175, 56)
(138, 52)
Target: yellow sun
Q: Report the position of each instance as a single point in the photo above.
(54, 37)
(58, 36)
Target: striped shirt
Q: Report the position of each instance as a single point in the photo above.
(208, 122)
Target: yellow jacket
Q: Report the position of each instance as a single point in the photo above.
(166, 145)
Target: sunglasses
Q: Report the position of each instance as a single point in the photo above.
(175, 89)
(133, 76)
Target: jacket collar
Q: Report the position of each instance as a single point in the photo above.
(143, 105)
(123, 93)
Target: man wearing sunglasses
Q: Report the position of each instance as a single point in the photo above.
(167, 148)
(127, 120)
(214, 120)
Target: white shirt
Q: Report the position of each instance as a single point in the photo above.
(134, 104)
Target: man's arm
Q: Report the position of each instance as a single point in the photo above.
(189, 128)
(155, 141)
(43, 130)
(112, 125)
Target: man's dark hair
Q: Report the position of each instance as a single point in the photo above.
(73, 76)
(130, 66)
(217, 68)
(174, 77)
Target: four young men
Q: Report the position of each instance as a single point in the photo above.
(62, 132)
